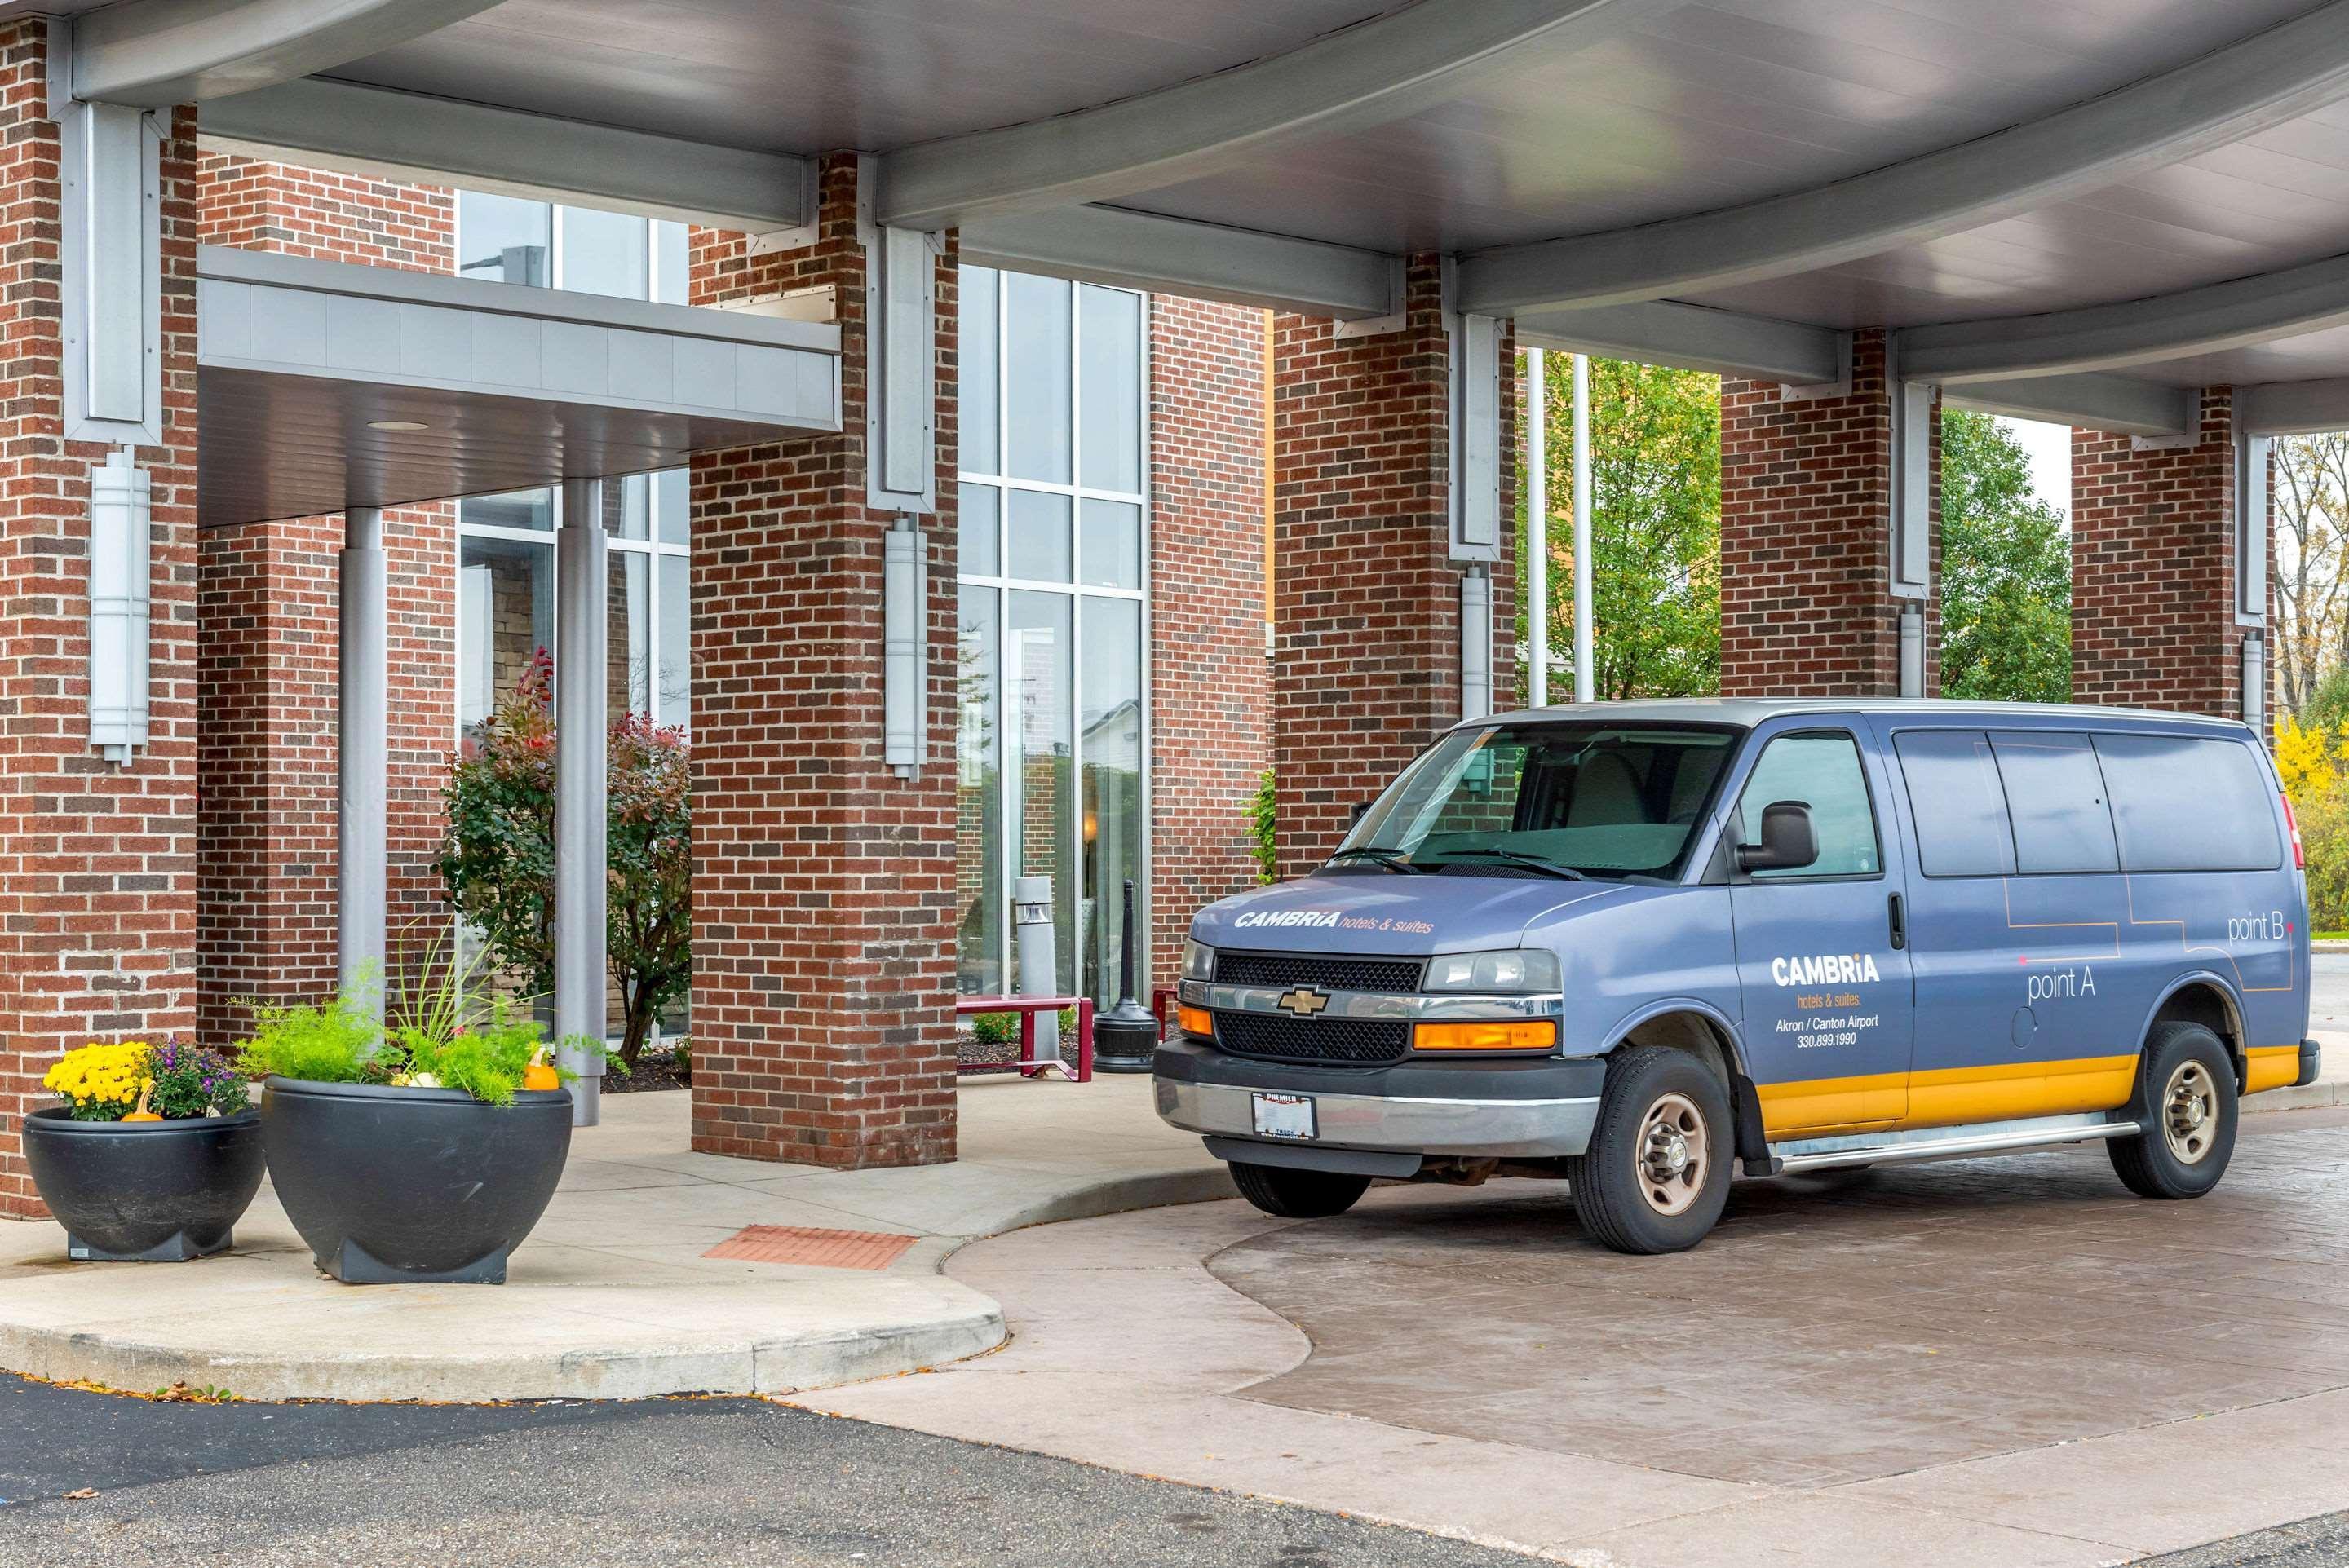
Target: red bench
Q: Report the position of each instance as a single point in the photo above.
(1027, 1007)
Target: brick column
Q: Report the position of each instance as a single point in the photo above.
(97, 910)
(1366, 597)
(1207, 676)
(824, 883)
(2154, 620)
(1807, 605)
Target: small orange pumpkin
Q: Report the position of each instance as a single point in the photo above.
(142, 1113)
(538, 1075)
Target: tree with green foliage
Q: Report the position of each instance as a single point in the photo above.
(1655, 482)
(2006, 570)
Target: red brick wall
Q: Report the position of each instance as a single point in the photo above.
(1806, 549)
(1366, 601)
(823, 947)
(97, 906)
(296, 211)
(2153, 569)
(1208, 683)
(269, 634)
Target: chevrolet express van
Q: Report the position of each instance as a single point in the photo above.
(1628, 944)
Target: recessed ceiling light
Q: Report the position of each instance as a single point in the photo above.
(398, 425)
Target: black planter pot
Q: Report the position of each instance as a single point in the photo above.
(412, 1186)
(145, 1191)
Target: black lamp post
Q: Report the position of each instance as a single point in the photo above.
(1125, 1037)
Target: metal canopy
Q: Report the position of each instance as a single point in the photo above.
(1821, 166)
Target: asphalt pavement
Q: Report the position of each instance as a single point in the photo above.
(2319, 1543)
(707, 1483)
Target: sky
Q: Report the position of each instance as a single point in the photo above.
(2049, 448)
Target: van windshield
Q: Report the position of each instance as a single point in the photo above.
(1554, 798)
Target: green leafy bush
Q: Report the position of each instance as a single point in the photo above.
(336, 1041)
(1263, 813)
(994, 1029)
(2325, 838)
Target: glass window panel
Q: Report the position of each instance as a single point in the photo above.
(672, 506)
(1960, 804)
(627, 635)
(1039, 536)
(978, 371)
(505, 596)
(2061, 820)
(604, 254)
(503, 239)
(1039, 785)
(979, 954)
(675, 616)
(1036, 329)
(516, 509)
(1109, 752)
(1109, 371)
(1111, 553)
(976, 550)
(1822, 772)
(626, 502)
(2185, 804)
(672, 263)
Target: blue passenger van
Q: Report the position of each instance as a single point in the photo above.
(1631, 943)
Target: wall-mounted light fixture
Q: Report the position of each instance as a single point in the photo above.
(904, 640)
(121, 537)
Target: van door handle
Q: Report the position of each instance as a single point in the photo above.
(1899, 923)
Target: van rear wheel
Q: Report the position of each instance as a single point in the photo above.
(1656, 1175)
(1297, 1194)
(2186, 1102)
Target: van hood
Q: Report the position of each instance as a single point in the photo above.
(1388, 913)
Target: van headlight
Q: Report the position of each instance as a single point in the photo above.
(1510, 969)
(1198, 961)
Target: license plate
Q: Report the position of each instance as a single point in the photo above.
(1284, 1116)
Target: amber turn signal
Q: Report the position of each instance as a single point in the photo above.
(1195, 1020)
(1538, 1034)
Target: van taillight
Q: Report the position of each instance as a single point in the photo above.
(2298, 855)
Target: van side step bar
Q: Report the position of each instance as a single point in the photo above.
(1937, 1142)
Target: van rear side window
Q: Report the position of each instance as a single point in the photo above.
(2187, 804)
(2056, 793)
(1959, 805)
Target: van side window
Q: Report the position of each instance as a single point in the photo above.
(2057, 794)
(1822, 772)
(2184, 803)
(1958, 803)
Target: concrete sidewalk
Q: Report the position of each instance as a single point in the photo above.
(611, 1297)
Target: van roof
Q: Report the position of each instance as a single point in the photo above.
(1749, 711)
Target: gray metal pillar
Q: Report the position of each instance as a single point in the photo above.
(363, 756)
(1585, 673)
(1536, 531)
(580, 754)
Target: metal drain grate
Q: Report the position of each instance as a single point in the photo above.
(819, 1249)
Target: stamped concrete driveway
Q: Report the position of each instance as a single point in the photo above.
(1991, 1362)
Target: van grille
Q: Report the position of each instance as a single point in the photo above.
(1287, 969)
(1353, 1040)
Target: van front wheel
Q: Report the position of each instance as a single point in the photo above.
(1656, 1175)
(1297, 1194)
(2186, 1103)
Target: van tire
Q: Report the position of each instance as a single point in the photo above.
(2186, 1101)
(1654, 1092)
(1289, 1195)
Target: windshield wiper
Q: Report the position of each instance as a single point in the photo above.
(1393, 860)
(1518, 858)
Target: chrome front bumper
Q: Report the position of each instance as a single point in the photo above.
(1532, 1110)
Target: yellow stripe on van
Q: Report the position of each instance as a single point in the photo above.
(1820, 1106)
(2006, 1092)
(2270, 1066)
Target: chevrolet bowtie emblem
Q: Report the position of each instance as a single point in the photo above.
(1304, 1002)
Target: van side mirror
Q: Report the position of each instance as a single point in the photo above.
(1362, 809)
(1789, 840)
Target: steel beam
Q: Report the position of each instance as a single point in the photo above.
(1203, 261)
(1372, 73)
(2293, 408)
(2238, 314)
(2087, 402)
(408, 136)
(2271, 77)
(1693, 337)
(153, 54)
